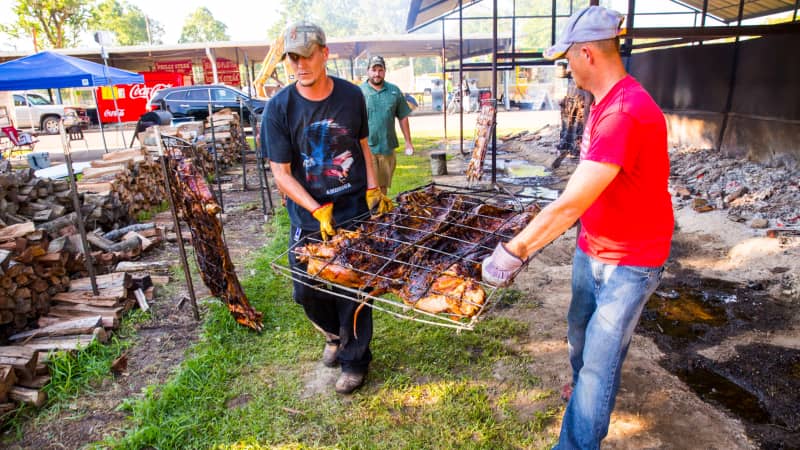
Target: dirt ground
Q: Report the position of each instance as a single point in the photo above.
(751, 336)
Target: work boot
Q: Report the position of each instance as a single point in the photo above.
(349, 382)
(329, 354)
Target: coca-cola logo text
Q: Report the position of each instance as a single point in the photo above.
(147, 92)
(114, 113)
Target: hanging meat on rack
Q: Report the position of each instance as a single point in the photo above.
(197, 206)
(428, 251)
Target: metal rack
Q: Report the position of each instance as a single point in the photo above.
(426, 253)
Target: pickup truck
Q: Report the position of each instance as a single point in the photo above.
(39, 112)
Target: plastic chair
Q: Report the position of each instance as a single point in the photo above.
(75, 133)
(18, 141)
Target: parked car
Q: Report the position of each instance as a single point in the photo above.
(192, 101)
(38, 112)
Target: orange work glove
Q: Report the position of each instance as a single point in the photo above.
(324, 214)
(377, 199)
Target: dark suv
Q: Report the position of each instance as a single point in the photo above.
(192, 101)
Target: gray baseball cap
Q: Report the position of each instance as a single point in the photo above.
(300, 38)
(593, 23)
(376, 61)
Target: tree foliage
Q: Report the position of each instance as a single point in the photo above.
(201, 26)
(343, 18)
(128, 22)
(50, 23)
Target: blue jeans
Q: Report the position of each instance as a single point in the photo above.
(607, 301)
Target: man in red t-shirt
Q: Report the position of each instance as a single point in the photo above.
(619, 192)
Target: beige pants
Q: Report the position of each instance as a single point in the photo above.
(384, 169)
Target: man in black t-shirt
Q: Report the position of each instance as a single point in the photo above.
(315, 132)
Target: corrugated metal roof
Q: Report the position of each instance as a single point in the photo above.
(728, 10)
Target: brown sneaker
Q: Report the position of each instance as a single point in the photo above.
(349, 382)
(329, 354)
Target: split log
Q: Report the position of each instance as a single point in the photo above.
(21, 359)
(7, 380)
(81, 325)
(109, 322)
(106, 281)
(78, 310)
(37, 382)
(116, 234)
(108, 297)
(141, 300)
(143, 266)
(14, 231)
(53, 226)
(68, 342)
(29, 396)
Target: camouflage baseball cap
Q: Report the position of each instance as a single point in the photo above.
(376, 61)
(300, 38)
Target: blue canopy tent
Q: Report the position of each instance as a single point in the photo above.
(45, 70)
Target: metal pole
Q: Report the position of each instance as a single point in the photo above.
(216, 155)
(553, 24)
(732, 85)
(263, 179)
(186, 272)
(494, 91)
(76, 204)
(629, 25)
(444, 85)
(113, 93)
(703, 18)
(99, 120)
(244, 147)
(461, 75)
(794, 14)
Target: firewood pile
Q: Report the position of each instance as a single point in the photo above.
(228, 133)
(36, 263)
(31, 275)
(76, 319)
(121, 185)
(23, 198)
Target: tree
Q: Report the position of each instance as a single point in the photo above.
(128, 22)
(343, 18)
(50, 23)
(201, 26)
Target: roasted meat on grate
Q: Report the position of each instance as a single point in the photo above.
(195, 202)
(427, 251)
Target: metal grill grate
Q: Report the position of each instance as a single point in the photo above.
(422, 260)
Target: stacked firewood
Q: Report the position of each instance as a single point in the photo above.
(31, 275)
(23, 198)
(76, 319)
(229, 137)
(121, 185)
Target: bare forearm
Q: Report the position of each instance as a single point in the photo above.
(406, 129)
(372, 180)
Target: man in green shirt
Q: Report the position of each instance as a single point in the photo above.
(385, 101)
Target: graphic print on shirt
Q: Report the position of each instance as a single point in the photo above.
(326, 158)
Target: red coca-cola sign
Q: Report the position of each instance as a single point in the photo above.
(132, 99)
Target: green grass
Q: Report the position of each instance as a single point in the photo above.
(147, 215)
